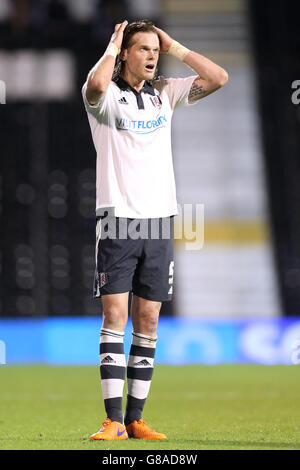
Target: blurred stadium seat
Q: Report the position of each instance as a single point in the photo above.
(249, 265)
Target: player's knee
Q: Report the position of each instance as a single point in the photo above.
(114, 318)
(148, 318)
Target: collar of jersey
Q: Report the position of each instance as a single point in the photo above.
(147, 88)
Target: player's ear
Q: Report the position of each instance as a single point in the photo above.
(123, 54)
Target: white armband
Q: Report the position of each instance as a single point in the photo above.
(178, 50)
(112, 49)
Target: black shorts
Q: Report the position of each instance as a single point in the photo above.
(135, 255)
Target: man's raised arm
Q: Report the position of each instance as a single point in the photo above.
(210, 78)
(100, 76)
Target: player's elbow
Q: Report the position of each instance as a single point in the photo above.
(95, 90)
(96, 85)
(222, 78)
(217, 80)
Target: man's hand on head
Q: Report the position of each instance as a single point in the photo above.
(100, 76)
(165, 40)
(117, 36)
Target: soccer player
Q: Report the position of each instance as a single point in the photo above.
(129, 111)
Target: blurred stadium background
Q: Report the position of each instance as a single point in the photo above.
(237, 152)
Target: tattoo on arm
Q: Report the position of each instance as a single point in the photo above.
(196, 91)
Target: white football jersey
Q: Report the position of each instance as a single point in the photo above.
(132, 136)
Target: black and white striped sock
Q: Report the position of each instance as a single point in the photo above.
(139, 375)
(112, 371)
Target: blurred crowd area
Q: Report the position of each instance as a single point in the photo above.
(48, 173)
(58, 41)
(74, 24)
(236, 152)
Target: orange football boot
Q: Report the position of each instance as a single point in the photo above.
(140, 430)
(110, 431)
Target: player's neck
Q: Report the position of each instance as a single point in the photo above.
(133, 81)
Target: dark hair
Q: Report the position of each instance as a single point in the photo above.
(141, 26)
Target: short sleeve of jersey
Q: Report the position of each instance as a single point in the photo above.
(178, 90)
(98, 108)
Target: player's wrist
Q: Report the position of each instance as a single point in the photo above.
(178, 50)
(112, 49)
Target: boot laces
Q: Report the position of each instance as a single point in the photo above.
(142, 422)
(106, 423)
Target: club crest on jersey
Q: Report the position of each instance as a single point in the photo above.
(102, 279)
(156, 101)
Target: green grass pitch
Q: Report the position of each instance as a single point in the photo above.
(198, 407)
